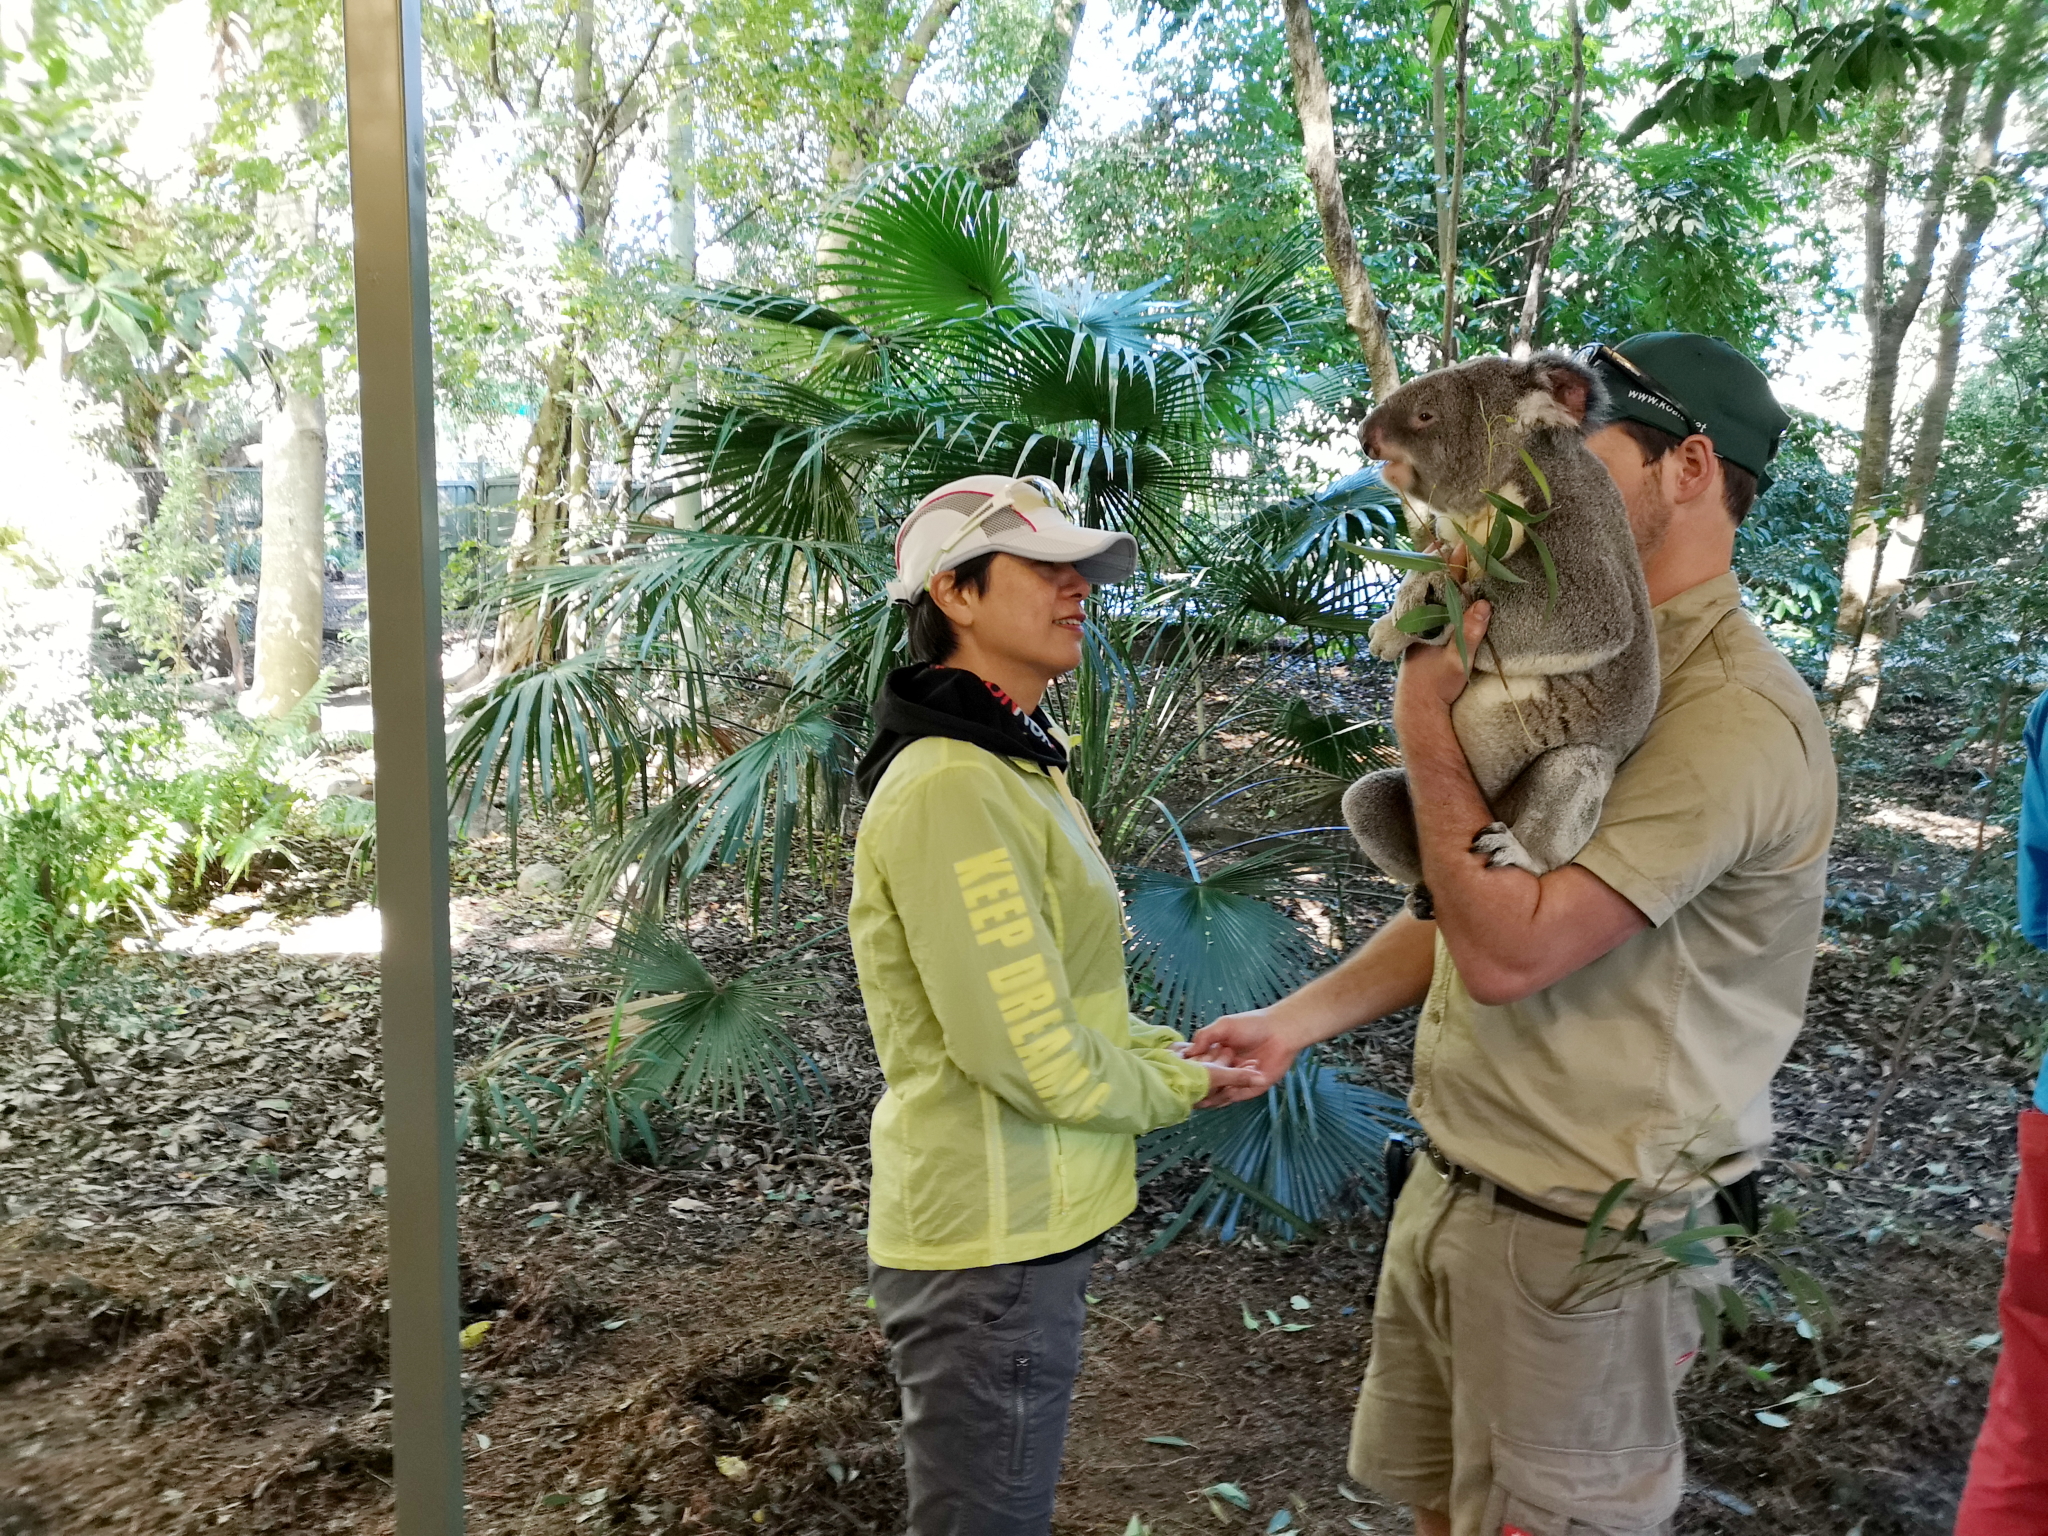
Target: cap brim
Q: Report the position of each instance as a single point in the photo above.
(1103, 556)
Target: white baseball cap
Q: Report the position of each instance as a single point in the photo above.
(984, 513)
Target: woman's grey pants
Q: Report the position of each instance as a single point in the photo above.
(986, 1359)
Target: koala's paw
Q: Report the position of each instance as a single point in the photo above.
(1386, 641)
(1421, 905)
(1503, 848)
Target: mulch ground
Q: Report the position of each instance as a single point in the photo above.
(191, 1333)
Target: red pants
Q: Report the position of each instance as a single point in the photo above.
(2008, 1489)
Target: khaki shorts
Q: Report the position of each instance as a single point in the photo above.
(1501, 1394)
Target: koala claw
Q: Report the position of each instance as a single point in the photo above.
(1421, 904)
(1503, 848)
(1387, 642)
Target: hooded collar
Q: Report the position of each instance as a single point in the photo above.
(1685, 619)
(928, 700)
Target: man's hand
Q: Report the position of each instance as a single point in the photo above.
(1257, 1040)
(1432, 676)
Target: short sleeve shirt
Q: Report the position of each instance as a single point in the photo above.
(1654, 1062)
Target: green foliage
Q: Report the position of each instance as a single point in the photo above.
(1306, 1151)
(947, 358)
(1709, 86)
(1699, 249)
(1789, 552)
(712, 712)
(64, 212)
(678, 1040)
(1297, 563)
(1618, 1258)
(171, 592)
(1310, 1147)
(111, 809)
(1201, 943)
(1202, 180)
(713, 1043)
(1137, 717)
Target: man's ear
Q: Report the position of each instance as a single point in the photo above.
(1693, 471)
(1564, 392)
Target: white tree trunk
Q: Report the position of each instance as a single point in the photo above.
(291, 600)
(688, 508)
(1333, 212)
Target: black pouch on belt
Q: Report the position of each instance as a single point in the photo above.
(1396, 1158)
(1742, 1203)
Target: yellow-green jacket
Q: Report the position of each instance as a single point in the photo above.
(988, 933)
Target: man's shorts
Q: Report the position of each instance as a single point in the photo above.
(1501, 1393)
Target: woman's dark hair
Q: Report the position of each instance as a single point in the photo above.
(1738, 485)
(931, 632)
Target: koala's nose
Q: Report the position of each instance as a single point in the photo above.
(1369, 438)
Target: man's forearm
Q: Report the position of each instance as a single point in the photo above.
(1449, 813)
(1509, 932)
(1390, 971)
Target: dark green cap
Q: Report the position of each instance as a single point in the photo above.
(1724, 394)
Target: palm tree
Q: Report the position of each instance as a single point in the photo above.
(715, 677)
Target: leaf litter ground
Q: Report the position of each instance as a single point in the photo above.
(191, 1327)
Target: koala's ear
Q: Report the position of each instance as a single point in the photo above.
(1563, 392)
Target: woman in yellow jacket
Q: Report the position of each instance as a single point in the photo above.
(988, 934)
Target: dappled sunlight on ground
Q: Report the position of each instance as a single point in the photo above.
(1935, 826)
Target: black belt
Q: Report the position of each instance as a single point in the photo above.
(1737, 1203)
(1465, 1178)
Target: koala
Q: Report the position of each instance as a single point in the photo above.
(1560, 692)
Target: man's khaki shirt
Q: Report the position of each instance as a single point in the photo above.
(1654, 1062)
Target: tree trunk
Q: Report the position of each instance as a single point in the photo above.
(997, 160)
(1340, 240)
(682, 163)
(1447, 228)
(548, 503)
(1889, 317)
(687, 510)
(1524, 337)
(1902, 550)
(291, 599)
(537, 535)
(866, 124)
(1447, 163)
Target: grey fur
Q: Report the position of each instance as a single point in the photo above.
(1560, 693)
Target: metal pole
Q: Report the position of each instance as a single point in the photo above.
(394, 348)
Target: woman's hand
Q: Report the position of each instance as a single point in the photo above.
(1259, 1040)
(1232, 1085)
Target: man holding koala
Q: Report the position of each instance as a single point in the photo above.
(1618, 1018)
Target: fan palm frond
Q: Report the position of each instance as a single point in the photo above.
(1309, 1147)
(697, 1040)
(926, 243)
(1138, 715)
(1308, 1150)
(778, 459)
(1129, 319)
(1293, 561)
(1331, 752)
(1265, 311)
(1334, 744)
(676, 587)
(560, 727)
(749, 810)
(1213, 943)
